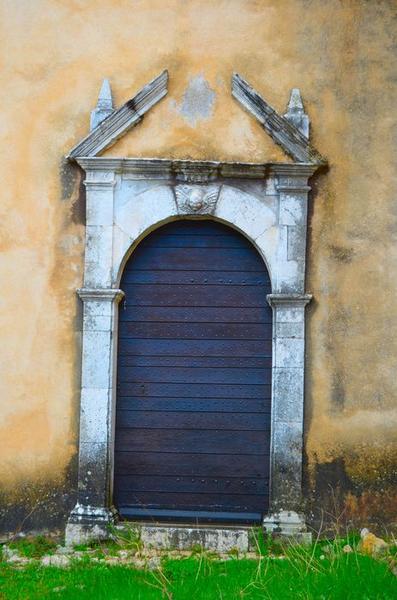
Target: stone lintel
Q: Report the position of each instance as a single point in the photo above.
(196, 171)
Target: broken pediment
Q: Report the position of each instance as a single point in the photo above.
(289, 131)
(117, 122)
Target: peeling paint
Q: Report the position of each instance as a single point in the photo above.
(198, 101)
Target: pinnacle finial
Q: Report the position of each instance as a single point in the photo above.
(105, 96)
(104, 105)
(295, 102)
(296, 113)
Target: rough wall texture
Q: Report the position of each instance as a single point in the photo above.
(341, 55)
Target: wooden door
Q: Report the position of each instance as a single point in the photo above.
(194, 378)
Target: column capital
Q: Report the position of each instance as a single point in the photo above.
(292, 187)
(99, 185)
(288, 300)
(100, 294)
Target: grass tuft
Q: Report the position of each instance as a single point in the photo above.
(33, 546)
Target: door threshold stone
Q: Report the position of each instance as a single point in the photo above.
(187, 537)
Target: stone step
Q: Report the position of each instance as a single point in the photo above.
(184, 537)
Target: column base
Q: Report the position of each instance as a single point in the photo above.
(88, 523)
(288, 525)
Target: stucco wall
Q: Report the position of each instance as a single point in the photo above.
(340, 53)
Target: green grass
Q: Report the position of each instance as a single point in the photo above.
(81, 582)
(298, 574)
(33, 547)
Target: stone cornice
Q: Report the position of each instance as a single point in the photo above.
(194, 171)
(122, 119)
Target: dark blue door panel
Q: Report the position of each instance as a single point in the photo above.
(194, 378)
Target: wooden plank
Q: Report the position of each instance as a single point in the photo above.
(193, 375)
(224, 405)
(193, 485)
(195, 295)
(207, 259)
(196, 314)
(187, 277)
(192, 227)
(185, 464)
(191, 421)
(200, 390)
(193, 501)
(162, 240)
(192, 516)
(200, 442)
(246, 362)
(240, 331)
(255, 348)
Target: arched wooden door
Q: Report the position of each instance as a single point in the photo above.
(194, 378)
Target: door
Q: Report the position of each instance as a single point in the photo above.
(194, 378)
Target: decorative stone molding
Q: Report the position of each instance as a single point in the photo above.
(197, 171)
(127, 198)
(122, 119)
(196, 200)
(280, 129)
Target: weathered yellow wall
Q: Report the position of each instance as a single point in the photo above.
(340, 53)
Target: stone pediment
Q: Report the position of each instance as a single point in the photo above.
(289, 131)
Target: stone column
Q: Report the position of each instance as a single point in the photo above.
(287, 411)
(93, 511)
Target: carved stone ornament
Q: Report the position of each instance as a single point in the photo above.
(196, 199)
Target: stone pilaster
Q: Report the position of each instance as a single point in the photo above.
(287, 402)
(99, 229)
(93, 511)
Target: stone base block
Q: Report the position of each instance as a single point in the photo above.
(180, 537)
(88, 523)
(77, 533)
(287, 525)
